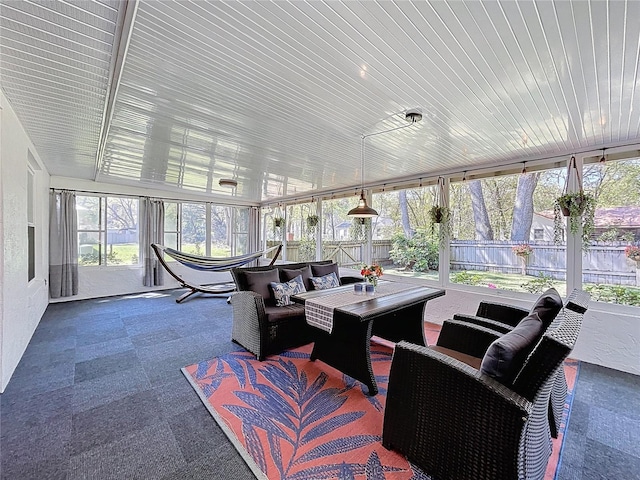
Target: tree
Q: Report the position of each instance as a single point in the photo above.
(523, 207)
(484, 231)
(404, 214)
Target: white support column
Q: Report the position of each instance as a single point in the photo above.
(574, 241)
(368, 246)
(319, 230)
(207, 233)
(445, 253)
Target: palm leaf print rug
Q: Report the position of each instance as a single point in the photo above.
(294, 419)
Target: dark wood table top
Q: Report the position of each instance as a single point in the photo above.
(373, 306)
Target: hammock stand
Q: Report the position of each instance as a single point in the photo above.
(210, 264)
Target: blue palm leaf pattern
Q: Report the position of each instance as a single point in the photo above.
(339, 445)
(322, 404)
(276, 453)
(251, 416)
(331, 424)
(266, 407)
(292, 354)
(317, 384)
(237, 368)
(374, 470)
(322, 472)
(346, 473)
(253, 446)
(418, 474)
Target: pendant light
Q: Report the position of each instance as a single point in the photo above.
(362, 210)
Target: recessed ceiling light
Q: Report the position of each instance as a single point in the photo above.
(228, 182)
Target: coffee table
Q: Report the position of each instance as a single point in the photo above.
(397, 316)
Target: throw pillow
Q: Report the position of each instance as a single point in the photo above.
(282, 291)
(506, 355)
(322, 270)
(259, 281)
(326, 281)
(290, 274)
(548, 306)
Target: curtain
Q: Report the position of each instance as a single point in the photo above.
(254, 232)
(151, 231)
(63, 244)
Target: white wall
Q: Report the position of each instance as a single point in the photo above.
(22, 303)
(610, 334)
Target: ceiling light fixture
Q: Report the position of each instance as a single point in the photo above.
(362, 210)
(228, 182)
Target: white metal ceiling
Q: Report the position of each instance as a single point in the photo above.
(278, 94)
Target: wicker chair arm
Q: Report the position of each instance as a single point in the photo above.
(434, 401)
(465, 337)
(484, 322)
(501, 312)
(250, 303)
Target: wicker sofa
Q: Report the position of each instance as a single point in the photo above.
(258, 324)
(456, 422)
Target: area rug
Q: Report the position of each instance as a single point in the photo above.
(294, 419)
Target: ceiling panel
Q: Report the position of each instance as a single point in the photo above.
(279, 94)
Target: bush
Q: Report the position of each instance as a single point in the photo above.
(539, 284)
(467, 278)
(614, 294)
(421, 249)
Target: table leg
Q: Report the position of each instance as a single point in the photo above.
(406, 324)
(347, 349)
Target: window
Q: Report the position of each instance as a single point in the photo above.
(343, 237)
(502, 232)
(171, 227)
(404, 233)
(193, 228)
(611, 262)
(107, 230)
(31, 225)
(303, 224)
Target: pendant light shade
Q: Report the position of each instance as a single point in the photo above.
(362, 210)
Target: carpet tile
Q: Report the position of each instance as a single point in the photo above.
(99, 395)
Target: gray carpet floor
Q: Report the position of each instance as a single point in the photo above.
(99, 395)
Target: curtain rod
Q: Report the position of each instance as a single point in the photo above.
(149, 196)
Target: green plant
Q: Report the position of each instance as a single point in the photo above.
(614, 294)
(441, 216)
(539, 284)
(359, 229)
(580, 208)
(312, 221)
(614, 235)
(420, 252)
(278, 222)
(467, 278)
(307, 249)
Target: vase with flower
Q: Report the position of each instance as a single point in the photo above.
(371, 274)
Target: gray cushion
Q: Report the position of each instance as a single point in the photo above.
(322, 270)
(258, 282)
(287, 274)
(547, 306)
(506, 355)
(275, 314)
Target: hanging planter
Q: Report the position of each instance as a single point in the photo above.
(440, 215)
(312, 221)
(578, 207)
(278, 222)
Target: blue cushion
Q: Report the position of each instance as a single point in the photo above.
(282, 291)
(325, 269)
(326, 281)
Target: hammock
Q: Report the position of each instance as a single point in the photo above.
(210, 264)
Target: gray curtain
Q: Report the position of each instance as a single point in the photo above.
(151, 231)
(63, 244)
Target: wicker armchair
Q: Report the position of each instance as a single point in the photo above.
(261, 327)
(457, 423)
(502, 318)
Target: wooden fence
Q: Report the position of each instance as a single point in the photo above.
(604, 263)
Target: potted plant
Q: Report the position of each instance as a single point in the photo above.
(632, 252)
(441, 216)
(523, 251)
(312, 221)
(278, 222)
(579, 208)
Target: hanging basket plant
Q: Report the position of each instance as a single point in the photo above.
(439, 214)
(312, 221)
(579, 209)
(278, 222)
